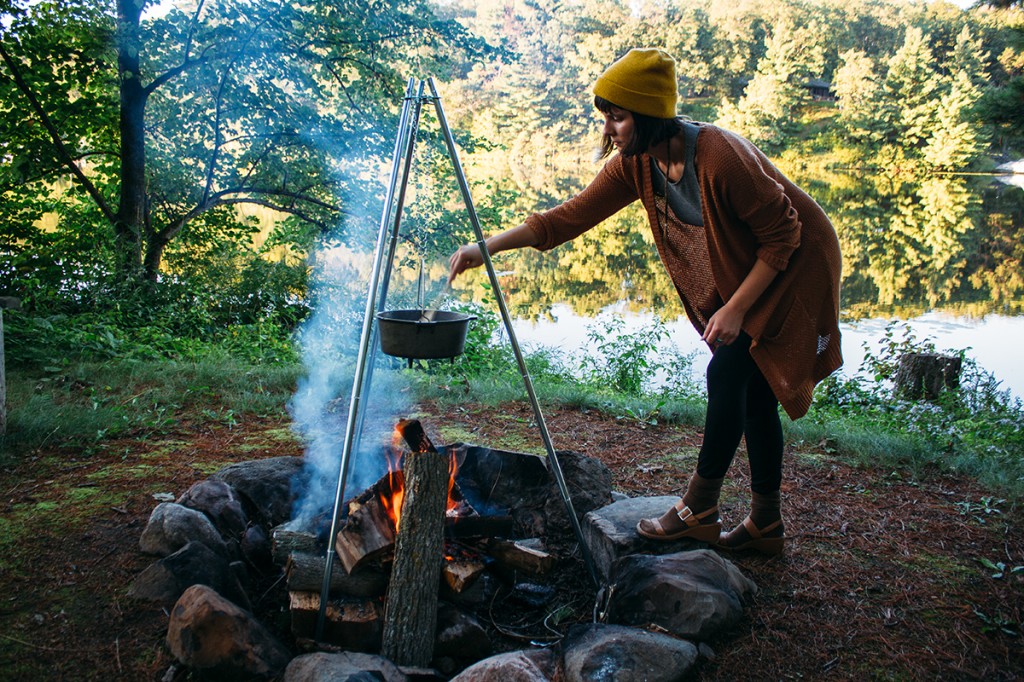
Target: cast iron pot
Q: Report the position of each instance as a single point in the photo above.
(423, 334)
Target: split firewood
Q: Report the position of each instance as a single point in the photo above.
(356, 625)
(520, 557)
(369, 531)
(461, 573)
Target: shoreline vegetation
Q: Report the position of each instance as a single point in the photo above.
(92, 392)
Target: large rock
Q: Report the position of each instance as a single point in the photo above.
(255, 546)
(614, 653)
(222, 641)
(342, 667)
(172, 526)
(538, 665)
(460, 635)
(217, 500)
(194, 564)
(610, 532)
(693, 594)
(266, 485)
(589, 482)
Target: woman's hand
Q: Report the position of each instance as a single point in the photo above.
(466, 257)
(723, 327)
(469, 256)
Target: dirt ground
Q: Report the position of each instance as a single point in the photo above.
(885, 576)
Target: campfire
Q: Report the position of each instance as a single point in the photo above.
(491, 523)
(480, 559)
(374, 516)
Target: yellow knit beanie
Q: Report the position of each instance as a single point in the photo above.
(644, 82)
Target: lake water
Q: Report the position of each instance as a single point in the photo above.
(938, 254)
(992, 341)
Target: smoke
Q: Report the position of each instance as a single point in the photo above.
(330, 342)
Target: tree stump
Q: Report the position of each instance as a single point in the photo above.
(926, 375)
(410, 616)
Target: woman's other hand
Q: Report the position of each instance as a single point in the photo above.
(466, 257)
(723, 327)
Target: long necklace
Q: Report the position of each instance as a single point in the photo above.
(664, 195)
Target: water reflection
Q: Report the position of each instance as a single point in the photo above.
(913, 248)
(910, 245)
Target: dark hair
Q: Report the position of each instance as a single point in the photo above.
(647, 130)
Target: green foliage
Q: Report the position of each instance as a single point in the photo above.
(147, 132)
(1000, 568)
(977, 428)
(630, 362)
(764, 114)
(981, 510)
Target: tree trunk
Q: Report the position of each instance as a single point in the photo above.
(130, 221)
(3, 379)
(410, 618)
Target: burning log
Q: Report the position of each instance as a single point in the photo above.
(370, 530)
(410, 617)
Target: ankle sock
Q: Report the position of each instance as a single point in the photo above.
(765, 509)
(702, 493)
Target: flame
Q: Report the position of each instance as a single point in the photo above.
(452, 505)
(396, 482)
(392, 500)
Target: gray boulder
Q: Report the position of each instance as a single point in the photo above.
(172, 526)
(610, 531)
(220, 640)
(614, 653)
(194, 564)
(342, 667)
(693, 594)
(538, 665)
(590, 487)
(217, 500)
(460, 635)
(266, 485)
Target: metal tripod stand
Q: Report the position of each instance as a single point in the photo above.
(394, 202)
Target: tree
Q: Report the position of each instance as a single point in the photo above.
(958, 137)
(163, 124)
(857, 88)
(764, 113)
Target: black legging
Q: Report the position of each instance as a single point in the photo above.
(740, 402)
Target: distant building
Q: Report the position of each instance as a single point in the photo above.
(819, 89)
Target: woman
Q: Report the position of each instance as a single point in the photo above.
(755, 261)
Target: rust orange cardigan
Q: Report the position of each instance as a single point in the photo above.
(751, 210)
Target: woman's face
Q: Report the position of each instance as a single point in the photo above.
(618, 126)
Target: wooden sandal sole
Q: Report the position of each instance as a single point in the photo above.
(757, 542)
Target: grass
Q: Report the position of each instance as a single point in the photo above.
(976, 432)
(87, 403)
